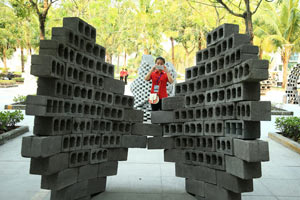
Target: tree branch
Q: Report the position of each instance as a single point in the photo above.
(229, 10)
(34, 4)
(257, 7)
(206, 4)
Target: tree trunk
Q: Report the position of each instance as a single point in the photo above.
(261, 52)
(4, 59)
(42, 20)
(125, 56)
(173, 52)
(200, 42)
(118, 64)
(285, 56)
(146, 51)
(248, 21)
(22, 59)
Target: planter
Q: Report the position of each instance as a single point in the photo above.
(292, 145)
(280, 111)
(15, 106)
(4, 137)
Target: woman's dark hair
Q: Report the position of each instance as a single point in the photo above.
(160, 58)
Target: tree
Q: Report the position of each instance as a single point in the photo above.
(41, 9)
(280, 25)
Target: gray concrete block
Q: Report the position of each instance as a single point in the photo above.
(217, 193)
(81, 27)
(103, 97)
(134, 141)
(184, 115)
(131, 115)
(254, 110)
(147, 129)
(123, 128)
(71, 142)
(194, 187)
(111, 141)
(242, 129)
(195, 100)
(224, 145)
(92, 110)
(47, 66)
(59, 180)
(173, 155)
(243, 92)
(184, 142)
(220, 33)
(74, 74)
(243, 169)
(113, 113)
(233, 183)
(36, 147)
(215, 128)
(81, 125)
(118, 154)
(91, 141)
(54, 48)
(105, 69)
(209, 159)
(96, 185)
(79, 158)
(160, 143)
(172, 103)
(107, 169)
(173, 129)
(49, 165)
(199, 173)
(67, 36)
(87, 172)
(162, 117)
(205, 143)
(98, 155)
(251, 150)
(48, 126)
(215, 96)
(124, 101)
(101, 126)
(114, 86)
(193, 128)
(99, 52)
(75, 191)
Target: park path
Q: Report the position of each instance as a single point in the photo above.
(145, 175)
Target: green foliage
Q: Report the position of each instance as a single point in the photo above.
(10, 119)
(289, 127)
(7, 82)
(19, 99)
(18, 79)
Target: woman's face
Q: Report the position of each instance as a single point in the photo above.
(159, 62)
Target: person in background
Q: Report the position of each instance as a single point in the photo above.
(160, 76)
(126, 76)
(122, 74)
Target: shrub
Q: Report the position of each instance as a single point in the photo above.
(19, 99)
(18, 79)
(10, 119)
(289, 127)
(7, 82)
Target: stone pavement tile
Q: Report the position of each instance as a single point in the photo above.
(258, 198)
(288, 198)
(145, 156)
(259, 189)
(126, 196)
(135, 184)
(139, 169)
(279, 172)
(172, 185)
(282, 187)
(167, 169)
(177, 197)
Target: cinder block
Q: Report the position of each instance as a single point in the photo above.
(123, 101)
(242, 129)
(217, 193)
(184, 115)
(147, 129)
(123, 128)
(210, 159)
(67, 36)
(173, 129)
(205, 143)
(172, 103)
(243, 92)
(195, 100)
(60, 180)
(133, 115)
(41, 147)
(233, 183)
(79, 158)
(215, 128)
(119, 154)
(75, 191)
(194, 187)
(87, 172)
(48, 126)
(162, 117)
(251, 150)
(254, 110)
(242, 169)
(184, 142)
(91, 141)
(173, 155)
(101, 126)
(47, 67)
(107, 169)
(160, 143)
(96, 185)
(74, 75)
(199, 173)
(105, 69)
(49, 165)
(111, 141)
(81, 125)
(193, 128)
(98, 155)
(71, 142)
(103, 97)
(54, 48)
(215, 96)
(220, 33)
(114, 86)
(79, 26)
(224, 145)
(134, 141)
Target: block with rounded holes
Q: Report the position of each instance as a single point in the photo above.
(74, 74)
(195, 100)
(68, 37)
(194, 128)
(55, 88)
(243, 91)
(253, 110)
(113, 113)
(71, 142)
(160, 142)
(171, 103)
(100, 126)
(123, 128)
(202, 143)
(224, 145)
(105, 69)
(123, 101)
(48, 126)
(184, 115)
(215, 128)
(55, 48)
(220, 33)
(215, 96)
(81, 27)
(242, 129)
(173, 129)
(47, 66)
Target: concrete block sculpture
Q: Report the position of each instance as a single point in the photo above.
(141, 88)
(211, 127)
(83, 120)
(292, 85)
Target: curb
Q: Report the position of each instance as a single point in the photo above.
(15, 107)
(8, 86)
(282, 113)
(292, 145)
(13, 133)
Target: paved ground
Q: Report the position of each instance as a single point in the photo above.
(145, 175)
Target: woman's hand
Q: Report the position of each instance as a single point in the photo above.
(153, 68)
(166, 69)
